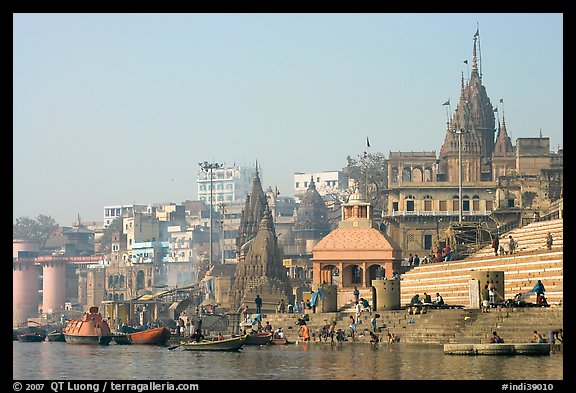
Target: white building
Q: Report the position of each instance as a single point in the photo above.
(327, 182)
(229, 184)
(113, 211)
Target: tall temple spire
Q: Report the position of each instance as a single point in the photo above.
(475, 115)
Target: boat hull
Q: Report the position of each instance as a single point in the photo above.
(122, 339)
(31, 338)
(56, 337)
(259, 339)
(87, 340)
(155, 336)
(280, 341)
(231, 344)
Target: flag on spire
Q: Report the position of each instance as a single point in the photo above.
(477, 33)
(501, 100)
(367, 142)
(447, 102)
(465, 61)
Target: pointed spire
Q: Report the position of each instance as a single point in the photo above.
(474, 59)
(312, 185)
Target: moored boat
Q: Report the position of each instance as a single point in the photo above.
(121, 339)
(154, 336)
(89, 329)
(259, 338)
(56, 336)
(31, 337)
(280, 341)
(230, 344)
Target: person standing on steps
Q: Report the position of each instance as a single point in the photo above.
(258, 302)
(549, 241)
(495, 244)
(356, 295)
(485, 299)
(511, 245)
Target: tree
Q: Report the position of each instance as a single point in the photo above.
(40, 229)
(106, 239)
(371, 172)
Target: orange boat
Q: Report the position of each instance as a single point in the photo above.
(154, 336)
(89, 329)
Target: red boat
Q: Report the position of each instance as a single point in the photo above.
(280, 341)
(89, 329)
(154, 336)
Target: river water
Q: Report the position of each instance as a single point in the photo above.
(347, 361)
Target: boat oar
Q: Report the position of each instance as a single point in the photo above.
(176, 346)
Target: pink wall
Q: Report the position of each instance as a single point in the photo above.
(24, 245)
(54, 286)
(25, 286)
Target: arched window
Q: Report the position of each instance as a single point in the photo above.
(410, 203)
(406, 175)
(455, 203)
(428, 174)
(427, 203)
(476, 203)
(394, 175)
(417, 175)
(465, 203)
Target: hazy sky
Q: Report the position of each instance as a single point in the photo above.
(120, 108)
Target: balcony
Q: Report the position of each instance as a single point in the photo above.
(432, 213)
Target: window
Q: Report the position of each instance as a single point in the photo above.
(395, 206)
(427, 242)
(476, 203)
(442, 206)
(489, 205)
(466, 203)
(427, 203)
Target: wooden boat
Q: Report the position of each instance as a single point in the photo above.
(280, 341)
(259, 338)
(154, 336)
(29, 334)
(121, 339)
(89, 329)
(230, 344)
(31, 337)
(56, 336)
(129, 329)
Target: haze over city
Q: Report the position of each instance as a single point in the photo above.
(120, 108)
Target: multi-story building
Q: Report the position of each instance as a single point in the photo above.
(113, 211)
(228, 184)
(327, 183)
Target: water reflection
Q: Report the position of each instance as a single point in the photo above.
(60, 361)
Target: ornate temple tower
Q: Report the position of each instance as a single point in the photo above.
(252, 213)
(311, 221)
(261, 271)
(474, 118)
(504, 158)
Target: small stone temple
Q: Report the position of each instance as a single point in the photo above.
(260, 270)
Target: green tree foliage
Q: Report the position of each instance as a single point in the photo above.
(106, 239)
(371, 172)
(39, 229)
